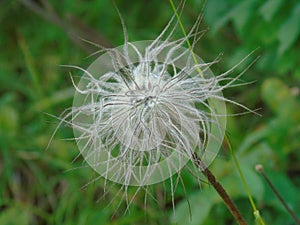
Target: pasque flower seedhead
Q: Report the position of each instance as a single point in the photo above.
(141, 111)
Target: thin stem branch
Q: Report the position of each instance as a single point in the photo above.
(259, 168)
(187, 40)
(220, 190)
(236, 162)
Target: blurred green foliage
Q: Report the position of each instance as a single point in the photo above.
(40, 187)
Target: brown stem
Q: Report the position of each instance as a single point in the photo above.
(221, 191)
(259, 168)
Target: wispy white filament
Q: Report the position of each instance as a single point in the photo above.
(142, 110)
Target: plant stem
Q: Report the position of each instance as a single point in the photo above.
(256, 213)
(259, 168)
(211, 178)
(220, 190)
(187, 40)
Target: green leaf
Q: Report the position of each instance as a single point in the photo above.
(275, 93)
(15, 215)
(269, 9)
(235, 188)
(90, 215)
(289, 31)
(297, 73)
(253, 138)
(200, 205)
(8, 120)
(214, 11)
(286, 189)
(259, 153)
(242, 13)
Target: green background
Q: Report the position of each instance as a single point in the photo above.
(49, 187)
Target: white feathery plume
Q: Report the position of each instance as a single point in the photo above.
(141, 111)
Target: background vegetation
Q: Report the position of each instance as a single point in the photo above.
(38, 187)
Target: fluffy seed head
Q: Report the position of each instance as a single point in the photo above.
(142, 110)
